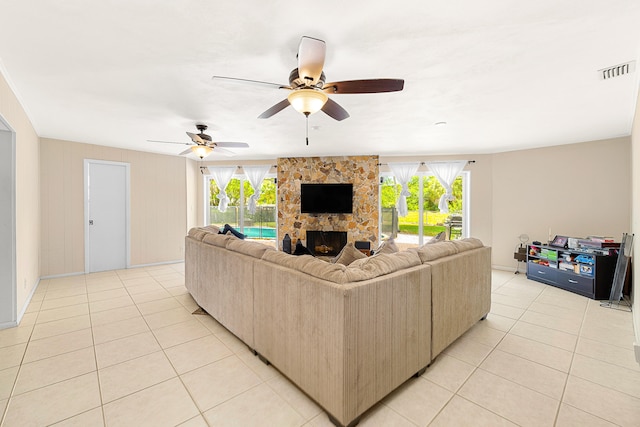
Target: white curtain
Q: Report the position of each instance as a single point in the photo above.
(446, 172)
(255, 175)
(403, 173)
(222, 176)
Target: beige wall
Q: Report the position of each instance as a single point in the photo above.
(158, 205)
(573, 190)
(27, 194)
(635, 225)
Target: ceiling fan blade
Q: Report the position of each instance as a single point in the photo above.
(224, 152)
(251, 82)
(311, 54)
(231, 144)
(170, 142)
(334, 110)
(365, 86)
(196, 138)
(187, 151)
(275, 109)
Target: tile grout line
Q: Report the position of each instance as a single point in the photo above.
(478, 367)
(573, 353)
(475, 368)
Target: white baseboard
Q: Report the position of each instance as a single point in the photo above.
(156, 263)
(7, 325)
(27, 302)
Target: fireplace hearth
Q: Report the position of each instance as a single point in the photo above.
(326, 243)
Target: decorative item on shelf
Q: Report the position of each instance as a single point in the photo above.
(286, 244)
(560, 242)
(520, 252)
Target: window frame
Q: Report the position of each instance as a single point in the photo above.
(466, 205)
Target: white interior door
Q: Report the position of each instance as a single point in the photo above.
(106, 215)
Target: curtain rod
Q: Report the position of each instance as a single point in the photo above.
(424, 163)
(202, 168)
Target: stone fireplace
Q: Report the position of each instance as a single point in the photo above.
(326, 243)
(361, 171)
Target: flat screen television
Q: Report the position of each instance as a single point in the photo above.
(326, 198)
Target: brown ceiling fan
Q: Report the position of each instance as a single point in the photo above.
(309, 90)
(202, 145)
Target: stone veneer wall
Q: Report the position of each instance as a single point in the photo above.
(361, 171)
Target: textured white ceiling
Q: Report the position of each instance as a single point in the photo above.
(504, 75)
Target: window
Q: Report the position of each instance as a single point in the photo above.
(423, 219)
(261, 224)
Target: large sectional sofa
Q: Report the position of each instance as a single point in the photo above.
(345, 335)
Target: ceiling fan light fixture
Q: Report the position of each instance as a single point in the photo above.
(307, 101)
(201, 151)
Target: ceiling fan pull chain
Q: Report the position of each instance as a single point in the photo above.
(307, 129)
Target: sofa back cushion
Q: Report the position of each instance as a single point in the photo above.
(431, 251)
(380, 264)
(467, 244)
(308, 264)
(281, 258)
(198, 233)
(254, 249)
(219, 240)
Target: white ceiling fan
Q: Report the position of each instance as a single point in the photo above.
(202, 144)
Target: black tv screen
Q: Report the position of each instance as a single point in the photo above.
(326, 198)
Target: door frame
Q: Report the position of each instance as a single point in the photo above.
(13, 285)
(127, 166)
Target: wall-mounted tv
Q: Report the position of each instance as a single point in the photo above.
(326, 198)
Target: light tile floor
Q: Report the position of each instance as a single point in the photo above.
(122, 348)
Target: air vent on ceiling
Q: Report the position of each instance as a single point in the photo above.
(617, 70)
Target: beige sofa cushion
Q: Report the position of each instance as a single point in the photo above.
(219, 240)
(197, 233)
(246, 247)
(308, 264)
(211, 228)
(467, 244)
(348, 254)
(379, 265)
(281, 258)
(333, 272)
(431, 251)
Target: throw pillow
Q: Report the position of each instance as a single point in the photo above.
(440, 237)
(347, 255)
(387, 247)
